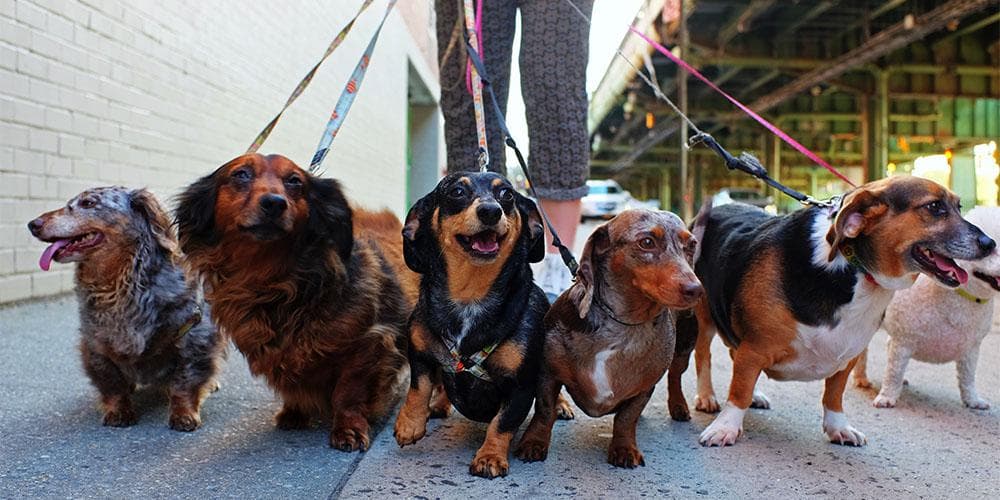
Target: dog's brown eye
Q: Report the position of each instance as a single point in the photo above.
(506, 195)
(936, 208)
(457, 192)
(293, 181)
(647, 243)
(87, 203)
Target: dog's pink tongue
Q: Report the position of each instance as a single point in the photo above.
(949, 265)
(485, 245)
(49, 252)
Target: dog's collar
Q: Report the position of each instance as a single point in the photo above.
(852, 258)
(191, 322)
(611, 314)
(966, 295)
(474, 366)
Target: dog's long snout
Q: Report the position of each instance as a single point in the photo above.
(35, 226)
(273, 205)
(489, 213)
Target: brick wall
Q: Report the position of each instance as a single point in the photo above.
(155, 94)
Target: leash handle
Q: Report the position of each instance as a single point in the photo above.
(564, 252)
(306, 80)
(347, 96)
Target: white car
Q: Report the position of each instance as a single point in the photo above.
(605, 199)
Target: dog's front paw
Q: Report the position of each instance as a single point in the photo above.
(840, 431)
(408, 430)
(289, 419)
(122, 417)
(489, 465)
(883, 401)
(976, 403)
(706, 403)
(679, 411)
(349, 439)
(862, 382)
(625, 456)
(720, 434)
(564, 410)
(532, 450)
(184, 422)
(760, 401)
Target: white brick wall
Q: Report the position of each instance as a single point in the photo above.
(155, 94)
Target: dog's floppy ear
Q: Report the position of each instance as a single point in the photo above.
(860, 209)
(330, 216)
(195, 214)
(533, 223)
(582, 291)
(145, 204)
(418, 243)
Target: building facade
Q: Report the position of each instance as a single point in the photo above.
(157, 94)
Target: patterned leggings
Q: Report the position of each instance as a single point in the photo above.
(554, 52)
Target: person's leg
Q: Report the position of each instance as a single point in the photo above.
(553, 61)
(499, 19)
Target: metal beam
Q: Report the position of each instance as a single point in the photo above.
(805, 18)
(760, 82)
(741, 23)
(886, 7)
(972, 28)
(884, 42)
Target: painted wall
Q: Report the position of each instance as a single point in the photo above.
(156, 94)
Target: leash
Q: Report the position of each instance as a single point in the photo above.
(746, 162)
(347, 96)
(191, 322)
(564, 252)
(264, 134)
(482, 78)
(473, 27)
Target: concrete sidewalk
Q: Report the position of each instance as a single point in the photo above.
(54, 446)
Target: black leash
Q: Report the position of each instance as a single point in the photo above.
(564, 252)
(749, 164)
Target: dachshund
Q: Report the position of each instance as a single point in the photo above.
(477, 326)
(313, 292)
(142, 320)
(609, 338)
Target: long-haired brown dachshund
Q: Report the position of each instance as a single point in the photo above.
(314, 293)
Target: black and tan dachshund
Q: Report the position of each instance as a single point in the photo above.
(477, 326)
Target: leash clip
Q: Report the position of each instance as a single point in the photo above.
(484, 160)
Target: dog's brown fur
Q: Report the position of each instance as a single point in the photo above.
(316, 296)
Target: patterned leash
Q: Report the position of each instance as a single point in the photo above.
(473, 27)
(263, 135)
(347, 96)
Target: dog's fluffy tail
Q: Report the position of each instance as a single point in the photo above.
(698, 226)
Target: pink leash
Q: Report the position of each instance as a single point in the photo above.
(760, 119)
(479, 48)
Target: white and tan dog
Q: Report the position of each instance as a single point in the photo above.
(948, 325)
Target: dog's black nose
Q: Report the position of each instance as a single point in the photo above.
(986, 243)
(273, 205)
(35, 226)
(489, 213)
(692, 291)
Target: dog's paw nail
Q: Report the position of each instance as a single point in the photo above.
(847, 436)
(628, 457)
(532, 451)
(348, 440)
(883, 402)
(121, 418)
(978, 404)
(184, 422)
(489, 466)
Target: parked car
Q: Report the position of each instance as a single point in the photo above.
(749, 196)
(605, 199)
